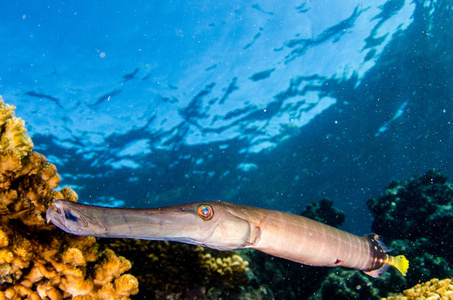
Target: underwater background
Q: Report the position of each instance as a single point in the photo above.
(271, 104)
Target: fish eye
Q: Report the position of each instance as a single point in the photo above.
(205, 212)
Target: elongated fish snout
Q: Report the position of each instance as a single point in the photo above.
(66, 218)
(53, 211)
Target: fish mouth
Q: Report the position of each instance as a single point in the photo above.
(56, 214)
(54, 211)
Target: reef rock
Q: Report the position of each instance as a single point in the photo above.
(324, 212)
(418, 208)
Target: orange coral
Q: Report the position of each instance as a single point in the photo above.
(74, 257)
(111, 267)
(37, 261)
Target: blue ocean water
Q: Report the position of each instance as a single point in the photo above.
(272, 104)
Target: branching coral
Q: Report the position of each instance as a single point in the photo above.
(430, 290)
(37, 261)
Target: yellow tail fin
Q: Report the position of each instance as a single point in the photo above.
(400, 262)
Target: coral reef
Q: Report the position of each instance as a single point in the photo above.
(180, 271)
(433, 289)
(426, 263)
(419, 208)
(37, 261)
(346, 284)
(417, 216)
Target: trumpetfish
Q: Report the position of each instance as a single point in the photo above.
(227, 226)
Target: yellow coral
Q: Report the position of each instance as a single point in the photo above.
(110, 268)
(122, 287)
(74, 256)
(126, 285)
(433, 289)
(4, 241)
(6, 111)
(6, 256)
(230, 268)
(47, 290)
(38, 261)
(48, 172)
(9, 161)
(224, 265)
(13, 131)
(65, 193)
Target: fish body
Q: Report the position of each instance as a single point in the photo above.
(227, 226)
